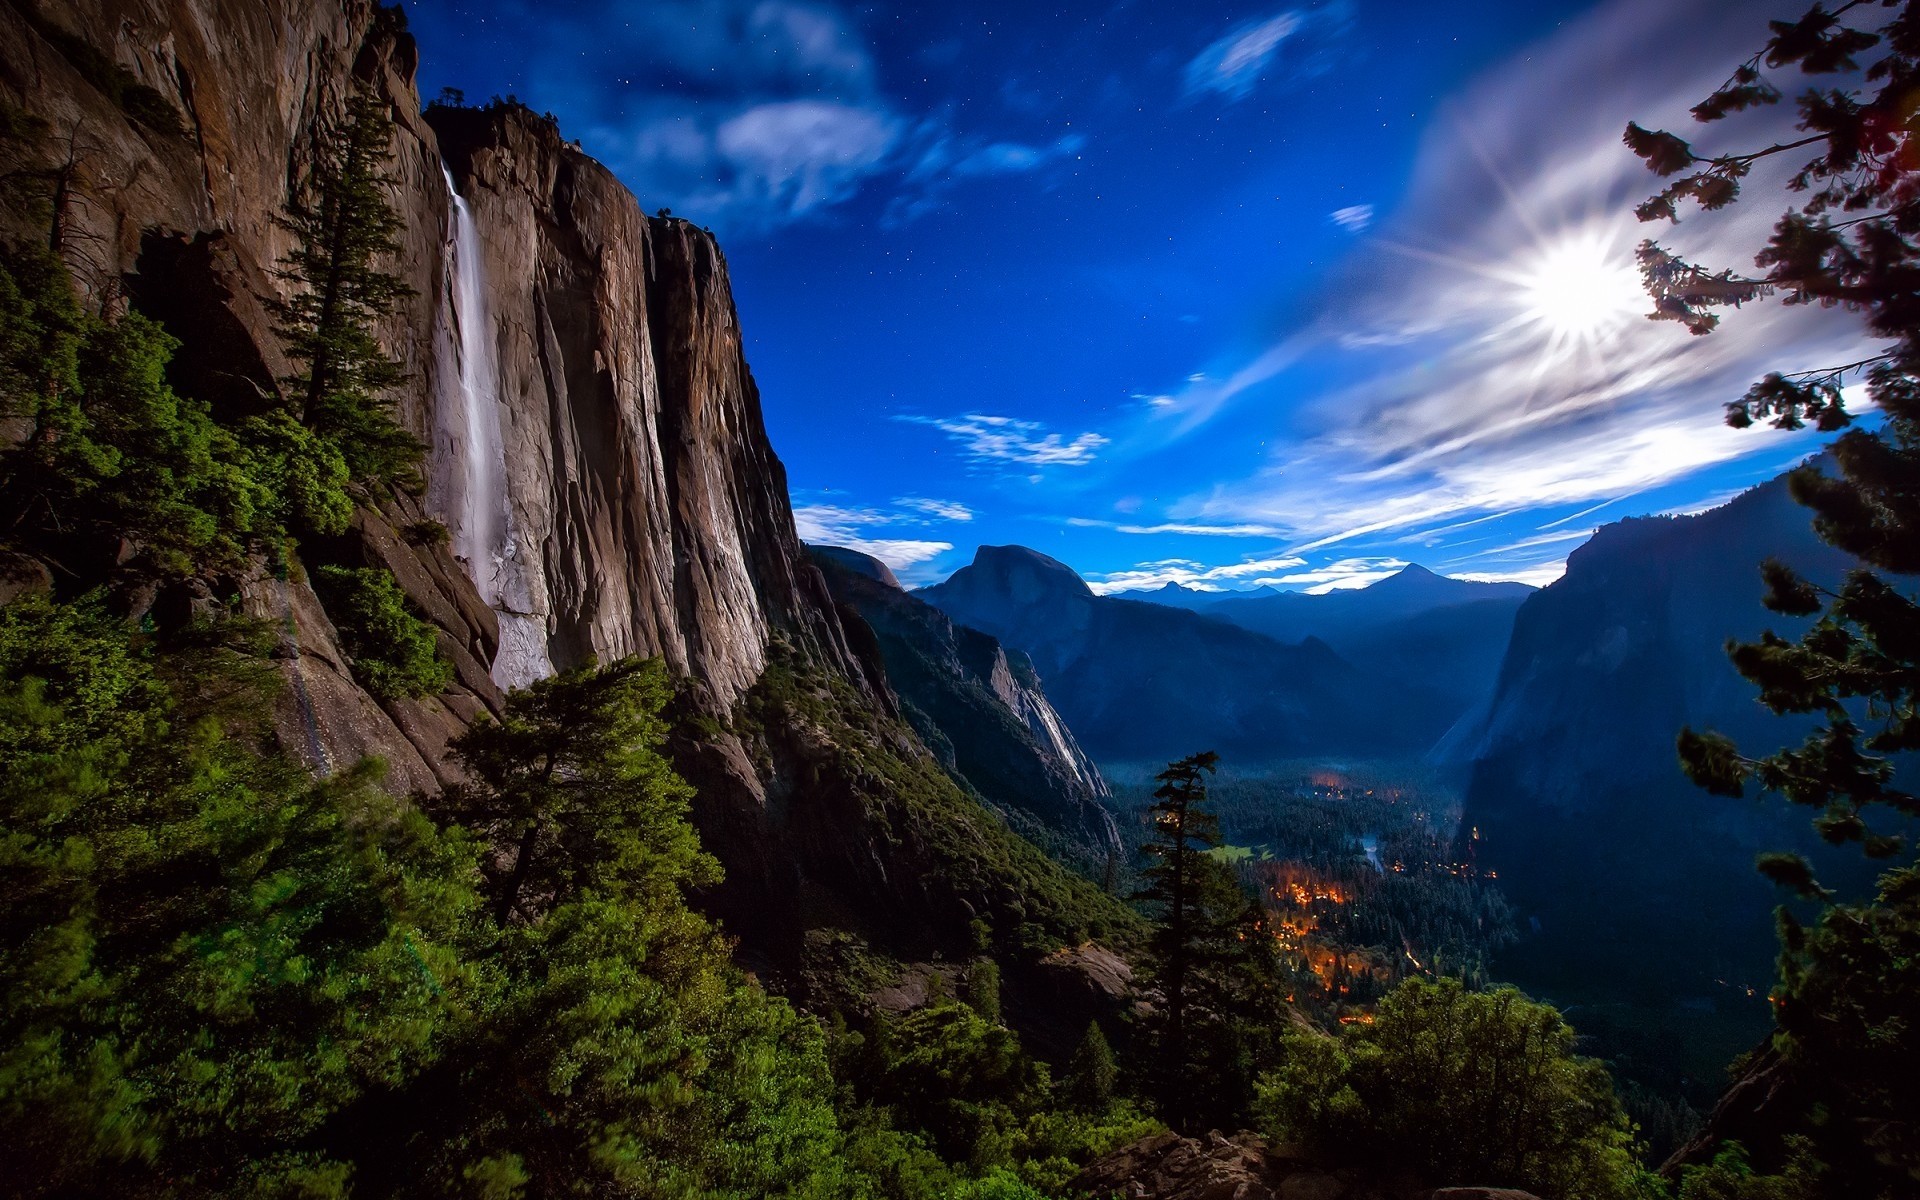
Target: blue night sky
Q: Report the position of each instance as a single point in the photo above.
(1224, 293)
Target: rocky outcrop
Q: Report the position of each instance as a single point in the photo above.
(642, 510)
(983, 712)
(1246, 1167)
(1629, 880)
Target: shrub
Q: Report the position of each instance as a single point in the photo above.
(394, 652)
(1460, 1087)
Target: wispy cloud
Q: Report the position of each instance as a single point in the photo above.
(989, 438)
(939, 162)
(1492, 344)
(1354, 218)
(1179, 527)
(1186, 572)
(1234, 64)
(942, 510)
(878, 531)
(1538, 575)
(750, 114)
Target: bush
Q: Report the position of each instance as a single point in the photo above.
(107, 449)
(1461, 1088)
(394, 652)
(1730, 1176)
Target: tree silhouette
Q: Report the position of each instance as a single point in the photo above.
(1851, 241)
(1197, 946)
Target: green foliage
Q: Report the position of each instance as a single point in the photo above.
(220, 978)
(303, 471)
(572, 780)
(395, 653)
(1730, 1176)
(944, 1100)
(1459, 1086)
(960, 1079)
(981, 989)
(1209, 959)
(203, 955)
(1030, 901)
(623, 1053)
(1092, 1072)
(1846, 1012)
(109, 451)
(344, 227)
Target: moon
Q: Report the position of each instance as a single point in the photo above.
(1580, 289)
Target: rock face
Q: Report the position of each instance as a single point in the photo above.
(1632, 877)
(1245, 1167)
(638, 470)
(982, 711)
(598, 453)
(1141, 682)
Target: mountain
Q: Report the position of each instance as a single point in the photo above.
(599, 481)
(1637, 886)
(1177, 595)
(982, 711)
(1140, 682)
(1346, 614)
(1438, 640)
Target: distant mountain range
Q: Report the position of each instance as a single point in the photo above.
(1382, 671)
(1141, 681)
(1176, 595)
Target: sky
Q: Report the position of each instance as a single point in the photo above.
(1226, 294)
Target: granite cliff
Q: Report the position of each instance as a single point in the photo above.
(981, 708)
(1575, 780)
(597, 456)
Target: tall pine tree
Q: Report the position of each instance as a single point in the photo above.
(1198, 951)
(346, 229)
(1851, 984)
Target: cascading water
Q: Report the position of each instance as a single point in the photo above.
(468, 489)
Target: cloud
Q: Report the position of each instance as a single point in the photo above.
(1202, 530)
(989, 438)
(1488, 350)
(1339, 575)
(943, 161)
(1539, 575)
(1233, 65)
(944, 510)
(796, 155)
(1354, 218)
(854, 527)
(749, 114)
(1189, 573)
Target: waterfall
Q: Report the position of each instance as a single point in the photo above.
(468, 487)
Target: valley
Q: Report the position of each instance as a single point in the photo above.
(1141, 733)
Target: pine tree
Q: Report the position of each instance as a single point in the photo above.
(1092, 1073)
(345, 227)
(1849, 985)
(1196, 946)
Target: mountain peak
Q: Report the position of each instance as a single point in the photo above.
(860, 564)
(1023, 572)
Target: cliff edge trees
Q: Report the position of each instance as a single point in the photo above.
(1849, 983)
